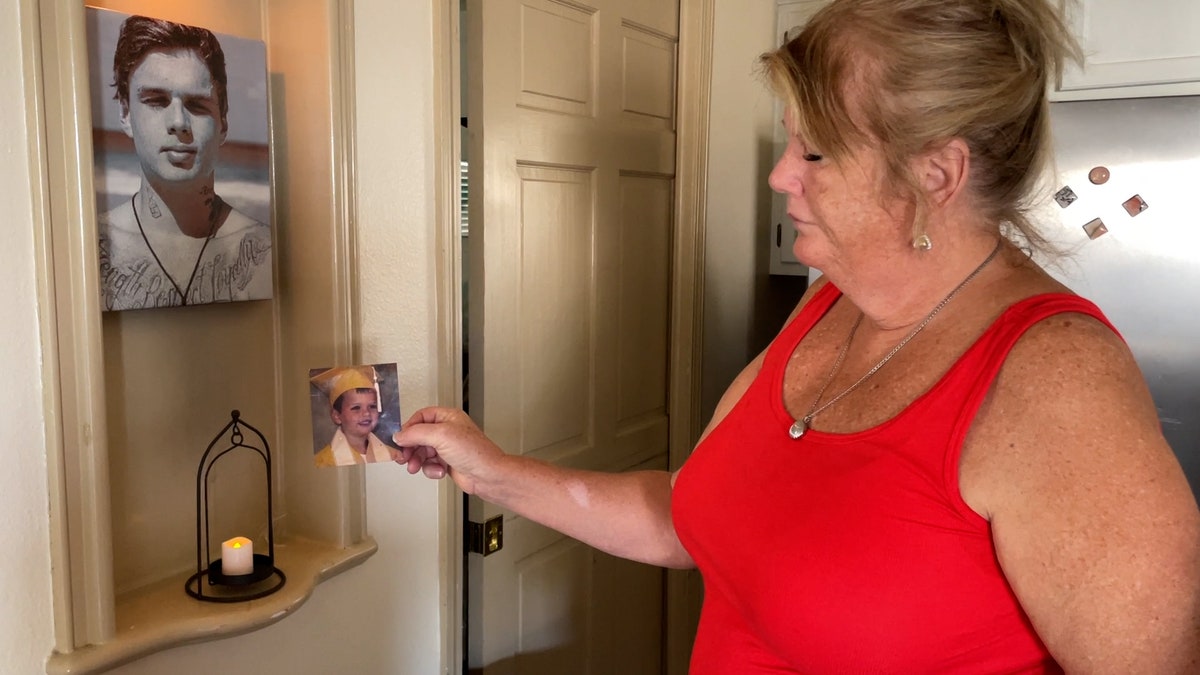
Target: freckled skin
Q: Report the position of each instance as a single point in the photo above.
(839, 219)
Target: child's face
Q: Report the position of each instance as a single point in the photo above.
(359, 414)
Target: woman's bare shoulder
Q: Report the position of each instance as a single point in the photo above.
(1070, 384)
(1069, 389)
(1094, 523)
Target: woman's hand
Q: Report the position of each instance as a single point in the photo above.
(444, 441)
(625, 514)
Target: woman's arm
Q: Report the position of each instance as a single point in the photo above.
(625, 514)
(1094, 523)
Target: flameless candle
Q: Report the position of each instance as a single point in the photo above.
(237, 556)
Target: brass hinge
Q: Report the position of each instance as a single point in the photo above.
(485, 538)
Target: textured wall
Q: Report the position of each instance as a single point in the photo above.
(741, 121)
(26, 626)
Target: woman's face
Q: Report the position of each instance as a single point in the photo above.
(359, 414)
(839, 211)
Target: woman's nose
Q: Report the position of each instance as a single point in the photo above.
(782, 176)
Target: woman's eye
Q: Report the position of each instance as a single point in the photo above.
(812, 157)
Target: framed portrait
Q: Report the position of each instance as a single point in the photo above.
(182, 163)
(355, 411)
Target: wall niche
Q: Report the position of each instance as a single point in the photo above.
(136, 396)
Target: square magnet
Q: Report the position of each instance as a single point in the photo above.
(1065, 197)
(1135, 205)
(1095, 228)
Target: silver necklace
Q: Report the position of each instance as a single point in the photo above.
(801, 426)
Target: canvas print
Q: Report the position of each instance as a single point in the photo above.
(355, 411)
(182, 163)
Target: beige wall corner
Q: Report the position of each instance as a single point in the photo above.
(738, 202)
(26, 624)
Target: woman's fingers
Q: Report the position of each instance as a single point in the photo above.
(440, 442)
(423, 459)
(434, 469)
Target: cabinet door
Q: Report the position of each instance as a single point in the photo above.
(1134, 48)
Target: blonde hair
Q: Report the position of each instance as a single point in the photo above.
(920, 72)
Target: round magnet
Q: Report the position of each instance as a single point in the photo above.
(1098, 175)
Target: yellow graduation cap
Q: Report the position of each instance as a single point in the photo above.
(337, 381)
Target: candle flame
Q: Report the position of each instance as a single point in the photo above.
(237, 544)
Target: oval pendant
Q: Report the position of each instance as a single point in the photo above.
(797, 429)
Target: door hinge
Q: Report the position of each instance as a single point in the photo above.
(485, 538)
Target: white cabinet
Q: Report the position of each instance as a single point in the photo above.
(1133, 48)
(783, 235)
(789, 18)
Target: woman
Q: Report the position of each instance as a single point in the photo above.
(945, 462)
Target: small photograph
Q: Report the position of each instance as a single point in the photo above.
(180, 129)
(355, 411)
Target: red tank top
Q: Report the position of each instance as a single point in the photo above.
(854, 553)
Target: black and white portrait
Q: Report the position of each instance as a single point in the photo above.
(180, 130)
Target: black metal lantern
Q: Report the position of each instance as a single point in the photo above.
(264, 578)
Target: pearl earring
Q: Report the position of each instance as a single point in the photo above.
(922, 242)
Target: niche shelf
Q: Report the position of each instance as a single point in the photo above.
(161, 616)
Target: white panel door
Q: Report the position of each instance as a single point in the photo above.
(571, 111)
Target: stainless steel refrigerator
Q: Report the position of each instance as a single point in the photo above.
(1130, 222)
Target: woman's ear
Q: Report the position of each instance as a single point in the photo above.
(943, 170)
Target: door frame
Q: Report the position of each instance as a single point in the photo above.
(693, 83)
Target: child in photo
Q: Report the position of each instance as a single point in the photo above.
(354, 408)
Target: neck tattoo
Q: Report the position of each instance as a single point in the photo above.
(183, 294)
(801, 426)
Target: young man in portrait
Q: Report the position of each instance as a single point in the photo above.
(176, 241)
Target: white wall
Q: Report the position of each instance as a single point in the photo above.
(26, 624)
(382, 617)
(743, 306)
